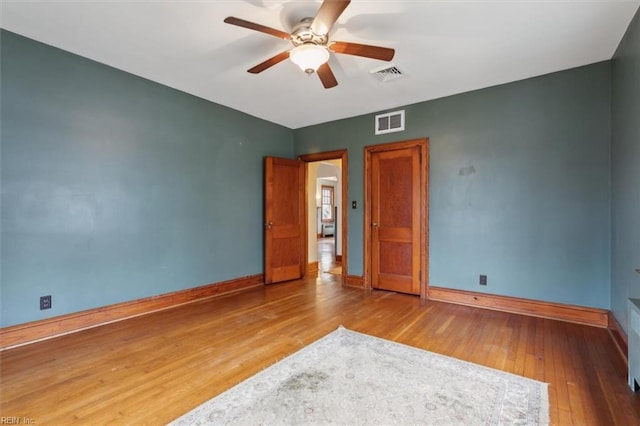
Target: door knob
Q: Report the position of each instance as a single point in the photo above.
(268, 225)
(374, 224)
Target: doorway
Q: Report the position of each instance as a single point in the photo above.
(396, 222)
(326, 195)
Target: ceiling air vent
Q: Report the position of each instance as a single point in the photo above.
(387, 73)
(390, 122)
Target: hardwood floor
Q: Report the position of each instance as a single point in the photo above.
(154, 368)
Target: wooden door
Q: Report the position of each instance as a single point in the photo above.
(284, 215)
(396, 208)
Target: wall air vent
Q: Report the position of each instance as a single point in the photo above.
(387, 73)
(390, 122)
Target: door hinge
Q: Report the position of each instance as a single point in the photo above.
(420, 276)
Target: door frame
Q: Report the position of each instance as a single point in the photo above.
(340, 154)
(423, 145)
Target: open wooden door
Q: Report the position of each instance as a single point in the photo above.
(396, 181)
(284, 220)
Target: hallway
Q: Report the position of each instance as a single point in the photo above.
(327, 264)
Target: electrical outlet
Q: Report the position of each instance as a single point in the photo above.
(483, 280)
(45, 302)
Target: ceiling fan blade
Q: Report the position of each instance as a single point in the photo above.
(327, 15)
(269, 63)
(257, 27)
(374, 52)
(326, 76)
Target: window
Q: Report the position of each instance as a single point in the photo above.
(327, 203)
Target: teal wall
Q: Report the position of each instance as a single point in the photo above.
(534, 215)
(116, 188)
(625, 172)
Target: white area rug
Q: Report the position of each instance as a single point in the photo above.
(349, 378)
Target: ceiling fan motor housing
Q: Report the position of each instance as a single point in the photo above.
(302, 34)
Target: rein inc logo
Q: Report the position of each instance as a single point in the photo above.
(16, 420)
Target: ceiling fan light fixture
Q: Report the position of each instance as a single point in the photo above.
(311, 45)
(309, 57)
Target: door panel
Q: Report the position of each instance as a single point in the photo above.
(284, 226)
(395, 220)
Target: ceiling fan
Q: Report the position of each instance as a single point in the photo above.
(311, 45)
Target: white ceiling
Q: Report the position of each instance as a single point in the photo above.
(443, 47)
